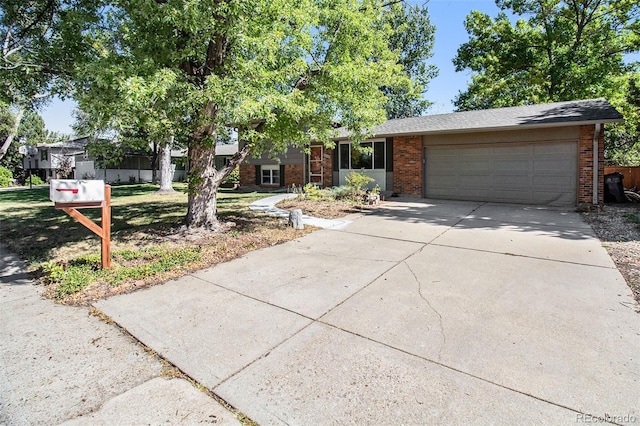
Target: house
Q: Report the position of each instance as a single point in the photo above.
(534, 154)
(51, 160)
(136, 165)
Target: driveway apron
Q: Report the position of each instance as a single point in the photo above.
(421, 312)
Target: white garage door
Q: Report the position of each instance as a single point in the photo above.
(528, 173)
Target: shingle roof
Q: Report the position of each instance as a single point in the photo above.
(541, 115)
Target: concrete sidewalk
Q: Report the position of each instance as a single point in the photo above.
(422, 313)
(59, 364)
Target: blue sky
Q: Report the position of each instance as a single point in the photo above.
(448, 17)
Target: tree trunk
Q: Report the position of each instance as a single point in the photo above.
(154, 163)
(166, 175)
(203, 187)
(12, 134)
(204, 181)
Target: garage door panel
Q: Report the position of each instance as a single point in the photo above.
(553, 164)
(543, 173)
(563, 182)
(520, 166)
(554, 149)
(475, 181)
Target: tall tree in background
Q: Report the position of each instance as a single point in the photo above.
(281, 71)
(41, 47)
(30, 130)
(412, 38)
(622, 140)
(564, 50)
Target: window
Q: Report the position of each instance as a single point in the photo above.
(270, 175)
(373, 158)
(43, 155)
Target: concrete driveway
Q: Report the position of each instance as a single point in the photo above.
(422, 312)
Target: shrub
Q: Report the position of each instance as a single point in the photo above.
(234, 177)
(312, 192)
(5, 177)
(341, 193)
(35, 180)
(357, 182)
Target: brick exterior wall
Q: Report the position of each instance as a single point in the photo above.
(327, 170)
(585, 165)
(407, 165)
(293, 175)
(247, 174)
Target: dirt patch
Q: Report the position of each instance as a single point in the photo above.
(324, 209)
(249, 234)
(618, 227)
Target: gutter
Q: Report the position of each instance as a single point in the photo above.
(596, 154)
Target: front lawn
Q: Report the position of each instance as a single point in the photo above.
(149, 244)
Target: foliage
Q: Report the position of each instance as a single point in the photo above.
(30, 131)
(43, 42)
(564, 50)
(5, 177)
(313, 192)
(281, 71)
(622, 140)
(42, 46)
(341, 192)
(358, 182)
(35, 180)
(234, 177)
(412, 39)
(105, 152)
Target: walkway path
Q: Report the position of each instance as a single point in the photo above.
(268, 205)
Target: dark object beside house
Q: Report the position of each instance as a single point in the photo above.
(613, 189)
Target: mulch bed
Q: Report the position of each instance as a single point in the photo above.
(618, 227)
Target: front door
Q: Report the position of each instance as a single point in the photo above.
(316, 168)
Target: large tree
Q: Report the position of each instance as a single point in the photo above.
(412, 39)
(281, 71)
(30, 130)
(557, 50)
(41, 48)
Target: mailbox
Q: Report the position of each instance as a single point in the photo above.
(76, 191)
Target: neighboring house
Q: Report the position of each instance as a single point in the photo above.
(535, 154)
(51, 159)
(224, 152)
(135, 167)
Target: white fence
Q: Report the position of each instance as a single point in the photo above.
(87, 170)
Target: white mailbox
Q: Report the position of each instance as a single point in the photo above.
(76, 191)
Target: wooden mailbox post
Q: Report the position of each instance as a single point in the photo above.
(70, 195)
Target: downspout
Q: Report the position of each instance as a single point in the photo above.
(596, 154)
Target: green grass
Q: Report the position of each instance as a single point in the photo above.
(34, 229)
(83, 271)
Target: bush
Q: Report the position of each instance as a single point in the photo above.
(312, 192)
(35, 180)
(357, 182)
(234, 177)
(341, 193)
(5, 177)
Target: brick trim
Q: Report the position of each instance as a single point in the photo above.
(407, 165)
(585, 164)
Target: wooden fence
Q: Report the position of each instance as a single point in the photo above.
(631, 175)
